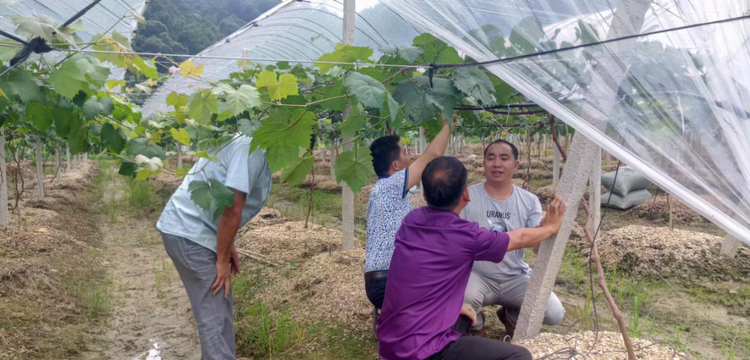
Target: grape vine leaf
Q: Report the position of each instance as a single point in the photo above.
(65, 119)
(7, 53)
(201, 105)
(417, 107)
(20, 83)
(586, 32)
(504, 93)
(281, 156)
(128, 168)
(248, 127)
(435, 50)
(345, 54)
(181, 135)
(474, 82)
(526, 34)
(147, 67)
(294, 175)
(421, 102)
(112, 138)
(77, 137)
(354, 167)
(94, 69)
(188, 69)
(354, 122)
(370, 92)
(408, 53)
(68, 79)
(94, 107)
(39, 115)
(244, 98)
(282, 133)
(211, 194)
(278, 88)
(176, 100)
(43, 27)
(328, 92)
(142, 147)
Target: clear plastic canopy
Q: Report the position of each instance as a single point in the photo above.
(675, 105)
(105, 17)
(293, 30)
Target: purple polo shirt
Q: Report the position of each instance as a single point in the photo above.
(427, 280)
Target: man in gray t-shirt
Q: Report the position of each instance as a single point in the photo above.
(499, 205)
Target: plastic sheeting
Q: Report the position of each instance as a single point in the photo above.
(294, 30)
(108, 15)
(674, 106)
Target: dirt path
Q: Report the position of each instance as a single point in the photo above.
(150, 316)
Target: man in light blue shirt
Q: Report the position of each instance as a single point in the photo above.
(202, 248)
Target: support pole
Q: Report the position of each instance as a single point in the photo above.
(555, 166)
(4, 218)
(347, 196)
(595, 191)
(607, 76)
(68, 166)
(39, 165)
(572, 185)
(58, 165)
(730, 246)
(179, 156)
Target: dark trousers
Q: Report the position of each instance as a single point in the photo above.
(479, 348)
(375, 287)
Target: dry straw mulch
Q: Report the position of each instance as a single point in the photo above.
(660, 251)
(314, 279)
(586, 345)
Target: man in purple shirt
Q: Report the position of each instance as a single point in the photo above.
(430, 268)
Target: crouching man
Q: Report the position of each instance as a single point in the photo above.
(430, 268)
(499, 205)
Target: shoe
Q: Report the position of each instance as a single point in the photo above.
(510, 328)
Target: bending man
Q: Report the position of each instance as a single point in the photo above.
(202, 248)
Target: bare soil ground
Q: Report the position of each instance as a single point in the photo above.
(84, 276)
(151, 313)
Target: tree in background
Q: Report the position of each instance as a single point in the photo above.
(189, 26)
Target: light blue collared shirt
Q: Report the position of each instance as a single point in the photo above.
(237, 169)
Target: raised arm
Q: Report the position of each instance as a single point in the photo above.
(435, 150)
(531, 237)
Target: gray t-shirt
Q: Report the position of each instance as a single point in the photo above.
(521, 210)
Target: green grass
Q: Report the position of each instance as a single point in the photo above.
(140, 195)
(271, 332)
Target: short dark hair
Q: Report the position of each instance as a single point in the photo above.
(444, 179)
(385, 150)
(513, 148)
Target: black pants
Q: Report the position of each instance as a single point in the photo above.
(375, 287)
(479, 348)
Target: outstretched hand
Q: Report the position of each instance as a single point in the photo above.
(555, 214)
